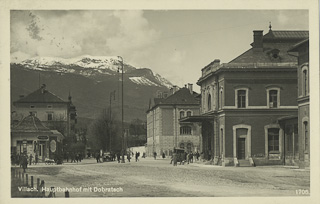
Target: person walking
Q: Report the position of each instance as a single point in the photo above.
(163, 155)
(137, 156)
(155, 155)
(118, 157)
(24, 162)
(129, 156)
(30, 159)
(98, 157)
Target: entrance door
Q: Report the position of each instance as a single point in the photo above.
(241, 148)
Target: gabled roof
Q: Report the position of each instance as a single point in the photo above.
(41, 96)
(180, 97)
(30, 124)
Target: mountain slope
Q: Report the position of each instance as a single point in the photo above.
(89, 84)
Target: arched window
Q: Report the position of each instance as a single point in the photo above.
(306, 136)
(182, 145)
(305, 82)
(185, 130)
(209, 102)
(188, 113)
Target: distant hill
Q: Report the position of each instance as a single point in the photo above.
(90, 81)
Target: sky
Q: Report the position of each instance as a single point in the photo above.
(177, 44)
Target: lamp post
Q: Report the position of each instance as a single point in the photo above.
(113, 93)
(122, 130)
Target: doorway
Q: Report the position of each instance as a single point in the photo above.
(241, 148)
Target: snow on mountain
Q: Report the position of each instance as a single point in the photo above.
(96, 67)
(142, 81)
(162, 80)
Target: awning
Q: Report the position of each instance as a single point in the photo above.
(197, 118)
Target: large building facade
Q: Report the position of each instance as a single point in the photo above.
(301, 153)
(242, 102)
(49, 112)
(164, 132)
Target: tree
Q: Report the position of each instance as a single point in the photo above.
(137, 133)
(102, 129)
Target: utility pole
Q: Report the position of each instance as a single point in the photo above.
(122, 112)
(113, 93)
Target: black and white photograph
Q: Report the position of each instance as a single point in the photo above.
(120, 101)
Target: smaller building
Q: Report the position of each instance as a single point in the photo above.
(31, 137)
(164, 131)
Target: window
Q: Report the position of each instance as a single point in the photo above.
(49, 106)
(273, 98)
(221, 136)
(185, 130)
(181, 114)
(189, 113)
(50, 116)
(241, 98)
(209, 102)
(32, 106)
(306, 137)
(182, 145)
(305, 82)
(273, 140)
(33, 113)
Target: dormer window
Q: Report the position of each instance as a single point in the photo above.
(181, 114)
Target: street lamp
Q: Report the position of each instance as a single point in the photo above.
(122, 130)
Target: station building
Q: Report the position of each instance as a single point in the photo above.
(243, 101)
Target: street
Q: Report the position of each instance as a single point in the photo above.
(157, 178)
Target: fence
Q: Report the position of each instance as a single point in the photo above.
(24, 186)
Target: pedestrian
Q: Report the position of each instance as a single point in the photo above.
(137, 156)
(98, 157)
(30, 159)
(24, 162)
(129, 157)
(36, 159)
(163, 155)
(175, 159)
(118, 157)
(155, 155)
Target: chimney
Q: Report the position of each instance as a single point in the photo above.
(257, 40)
(190, 88)
(175, 88)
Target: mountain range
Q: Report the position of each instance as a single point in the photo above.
(90, 81)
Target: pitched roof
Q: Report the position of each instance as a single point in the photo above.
(286, 34)
(30, 124)
(180, 97)
(41, 96)
(280, 41)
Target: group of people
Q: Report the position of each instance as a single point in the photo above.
(136, 155)
(23, 160)
(74, 157)
(185, 158)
